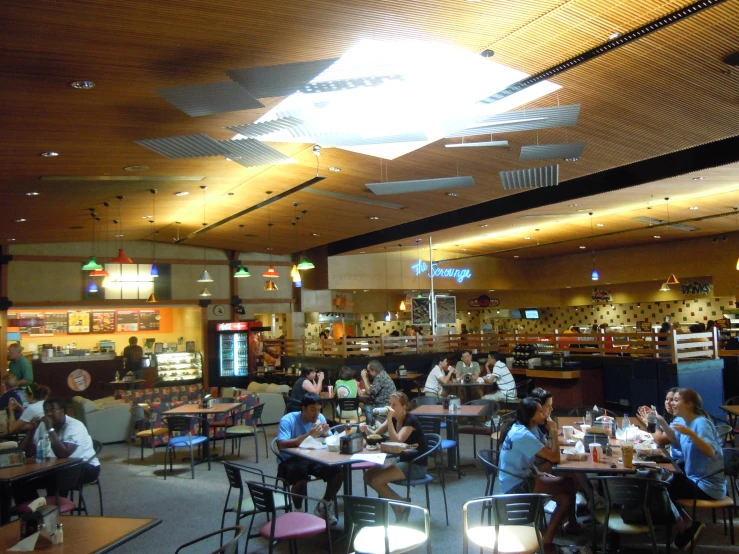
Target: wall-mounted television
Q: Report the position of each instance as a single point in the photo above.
(530, 313)
(515, 314)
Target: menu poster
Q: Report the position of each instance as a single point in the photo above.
(31, 322)
(645, 326)
(420, 311)
(127, 321)
(56, 323)
(79, 322)
(446, 310)
(149, 320)
(103, 322)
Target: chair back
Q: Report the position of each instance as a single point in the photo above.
(180, 425)
(626, 490)
(491, 410)
(723, 430)
(581, 410)
(430, 425)
(275, 450)
(262, 496)
(348, 404)
(231, 547)
(490, 461)
(518, 509)
(733, 401)
(233, 473)
(423, 401)
(363, 511)
(256, 414)
(731, 462)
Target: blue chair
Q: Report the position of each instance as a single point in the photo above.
(433, 441)
(181, 429)
(433, 425)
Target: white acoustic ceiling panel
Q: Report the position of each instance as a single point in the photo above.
(252, 153)
(493, 143)
(185, 146)
(562, 151)
(258, 129)
(531, 178)
(348, 84)
(278, 80)
(199, 100)
(523, 120)
(421, 185)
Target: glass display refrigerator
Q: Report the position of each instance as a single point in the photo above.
(235, 351)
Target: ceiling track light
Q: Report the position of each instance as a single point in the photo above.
(241, 271)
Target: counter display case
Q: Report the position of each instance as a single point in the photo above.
(180, 366)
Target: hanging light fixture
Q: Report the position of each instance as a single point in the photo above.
(92, 287)
(594, 276)
(305, 263)
(92, 264)
(99, 272)
(400, 255)
(204, 276)
(205, 292)
(388, 317)
(241, 271)
(121, 258)
(671, 280)
(418, 273)
(154, 271)
(270, 285)
(270, 273)
(152, 299)
(295, 272)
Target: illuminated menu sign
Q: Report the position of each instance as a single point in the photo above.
(233, 326)
(441, 272)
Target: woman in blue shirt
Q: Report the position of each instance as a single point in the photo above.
(520, 448)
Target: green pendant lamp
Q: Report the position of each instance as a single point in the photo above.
(242, 272)
(305, 263)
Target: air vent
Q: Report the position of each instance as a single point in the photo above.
(266, 127)
(199, 100)
(185, 146)
(662, 222)
(252, 153)
(278, 80)
(531, 178)
(562, 151)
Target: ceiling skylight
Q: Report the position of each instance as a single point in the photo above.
(386, 99)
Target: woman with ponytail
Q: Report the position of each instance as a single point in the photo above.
(35, 396)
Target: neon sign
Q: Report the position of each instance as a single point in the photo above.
(438, 272)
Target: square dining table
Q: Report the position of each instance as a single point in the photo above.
(196, 410)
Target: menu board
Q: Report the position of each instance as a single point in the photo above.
(103, 322)
(31, 322)
(55, 323)
(420, 311)
(645, 326)
(446, 310)
(127, 321)
(149, 320)
(78, 322)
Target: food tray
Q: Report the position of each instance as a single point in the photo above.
(393, 447)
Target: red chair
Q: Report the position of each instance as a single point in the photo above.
(67, 480)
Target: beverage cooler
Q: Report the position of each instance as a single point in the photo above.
(235, 350)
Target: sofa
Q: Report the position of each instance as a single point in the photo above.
(107, 420)
(270, 395)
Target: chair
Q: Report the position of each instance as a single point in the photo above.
(433, 425)
(231, 547)
(731, 468)
(221, 424)
(724, 431)
(504, 421)
(244, 506)
(490, 462)
(276, 452)
(478, 425)
(433, 441)
(349, 410)
(630, 491)
(142, 430)
(81, 505)
(522, 391)
(289, 526)
(516, 526)
(239, 430)
(180, 430)
(67, 480)
(420, 389)
(359, 466)
(423, 401)
(375, 535)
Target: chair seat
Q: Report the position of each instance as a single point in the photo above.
(371, 540)
(294, 525)
(247, 504)
(446, 444)
(474, 430)
(723, 503)
(65, 505)
(514, 539)
(618, 525)
(186, 441)
(151, 433)
(240, 430)
(414, 482)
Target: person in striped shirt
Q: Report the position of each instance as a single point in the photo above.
(497, 372)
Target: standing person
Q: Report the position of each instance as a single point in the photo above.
(501, 375)
(518, 453)
(306, 384)
(35, 395)
(19, 365)
(441, 373)
(295, 427)
(12, 393)
(466, 366)
(487, 327)
(133, 357)
(401, 427)
(380, 390)
(701, 448)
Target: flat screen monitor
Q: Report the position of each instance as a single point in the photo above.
(515, 314)
(530, 313)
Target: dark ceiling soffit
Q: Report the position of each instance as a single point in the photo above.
(678, 163)
(250, 209)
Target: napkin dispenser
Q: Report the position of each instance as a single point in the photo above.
(31, 523)
(402, 371)
(453, 400)
(351, 444)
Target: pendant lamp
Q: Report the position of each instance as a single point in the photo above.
(205, 292)
(98, 273)
(92, 265)
(205, 277)
(594, 276)
(152, 299)
(388, 317)
(121, 258)
(664, 288)
(154, 273)
(305, 263)
(295, 274)
(92, 287)
(671, 280)
(242, 272)
(400, 255)
(270, 273)
(270, 285)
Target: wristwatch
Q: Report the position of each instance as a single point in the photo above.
(50, 430)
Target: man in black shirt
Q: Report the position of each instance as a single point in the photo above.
(133, 356)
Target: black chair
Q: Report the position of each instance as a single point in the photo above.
(423, 401)
(632, 493)
(434, 447)
(239, 429)
(433, 425)
(731, 468)
(370, 529)
(231, 547)
(482, 425)
(349, 409)
(490, 461)
(81, 505)
(276, 452)
(180, 429)
(505, 420)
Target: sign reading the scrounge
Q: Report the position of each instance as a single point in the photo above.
(440, 272)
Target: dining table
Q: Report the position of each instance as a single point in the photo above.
(469, 391)
(224, 409)
(89, 534)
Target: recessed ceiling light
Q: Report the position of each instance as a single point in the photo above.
(181, 193)
(146, 217)
(269, 248)
(49, 154)
(600, 225)
(136, 167)
(515, 256)
(698, 178)
(11, 240)
(582, 248)
(82, 85)
(572, 159)
(572, 205)
(373, 217)
(464, 250)
(657, 237)
(484, 225)
(452, 194)
(316, 234)
(362, 252)
(527, 238)
(118, 236)
(334, 169)
(693, 207)
(614, 35)
(20, 220)
(32, 193)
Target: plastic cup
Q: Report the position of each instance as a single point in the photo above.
(596, 452)
(589, 418)
(567, 432)
(627, 453)
(330, 390)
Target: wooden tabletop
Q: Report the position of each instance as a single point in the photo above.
(186, 409)
(604, 467)
(32, 469)
(472, 384)
(410, 376)
(87, 535)
(438, 410)
(733, 410)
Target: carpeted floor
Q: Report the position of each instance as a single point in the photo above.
(190, 508)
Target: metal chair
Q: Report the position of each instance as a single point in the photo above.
(433, 442)
(580, 411)
(513, 523)
(477, 426)
(521, 391)
(239, 430)
(349, 410)
(276, 452)
(504, 421)
(231, 547)
(81, 505)
(423, 401)
(433, 425)
(142, 430)
(370, 529)
(180, 429)
(67, 479)
(289, 526)
(490, 461)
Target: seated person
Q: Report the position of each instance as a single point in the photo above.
(12, 392)
(660, 437)
(441, 373)
(295, 427)
(306, 384)
(346, 387)
(401, 427)
(35, 394)
(499, 373)
(380, 390)
(69, 439)
(466, 366)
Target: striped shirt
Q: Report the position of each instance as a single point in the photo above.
(505, 380)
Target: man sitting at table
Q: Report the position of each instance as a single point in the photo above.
(380, 390)
(295, 427)
(501, 375)
(69, 439)
(466, 366)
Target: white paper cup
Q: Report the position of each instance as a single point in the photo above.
(330, 390)
(596, 452)
(585, 427)
(567, 432)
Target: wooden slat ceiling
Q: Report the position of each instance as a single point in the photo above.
(662, 93)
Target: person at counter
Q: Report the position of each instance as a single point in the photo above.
(19, 365)
(35, 395)
(12, 392)
(466, 366)
(133, 357)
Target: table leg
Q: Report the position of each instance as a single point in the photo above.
(5, 500)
